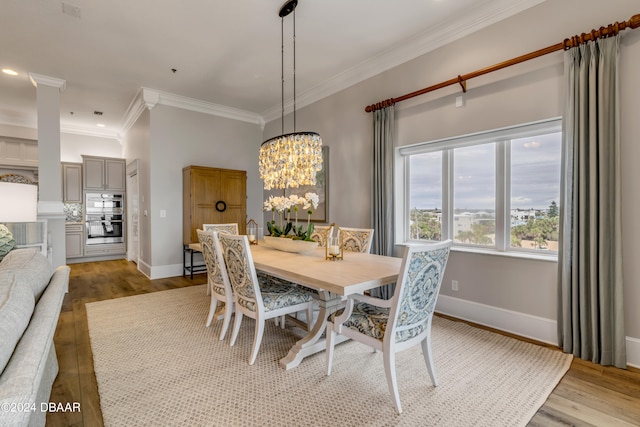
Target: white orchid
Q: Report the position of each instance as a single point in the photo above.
(283, 205)
(311, 199)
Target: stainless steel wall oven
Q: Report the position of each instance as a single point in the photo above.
(104, 218)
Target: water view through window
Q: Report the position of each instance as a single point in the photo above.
(531, 202)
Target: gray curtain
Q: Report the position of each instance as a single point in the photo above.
(590, 308)
(382, 191)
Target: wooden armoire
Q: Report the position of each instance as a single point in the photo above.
(212, 196)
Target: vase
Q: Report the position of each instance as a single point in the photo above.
(289, 245)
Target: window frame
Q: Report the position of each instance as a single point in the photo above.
(502, 138)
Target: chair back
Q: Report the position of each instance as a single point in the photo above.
(241, 270)
(354, 239)
(216, 269)
(320, 235)
(357, 239)
(231, 228)
(416, 293)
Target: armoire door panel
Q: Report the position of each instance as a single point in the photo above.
(203, 189)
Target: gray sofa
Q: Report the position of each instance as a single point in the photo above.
(31, 294)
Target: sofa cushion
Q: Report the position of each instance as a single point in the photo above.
(30, 267)
(16, 307)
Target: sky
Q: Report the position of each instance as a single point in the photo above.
(535, 175)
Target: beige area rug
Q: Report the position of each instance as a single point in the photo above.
(157, 365)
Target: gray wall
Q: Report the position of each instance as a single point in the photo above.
(179, 138)
(523, 93)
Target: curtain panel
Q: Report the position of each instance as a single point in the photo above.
(590, 283)
(382, 190)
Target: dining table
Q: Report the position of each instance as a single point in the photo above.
(333, 280)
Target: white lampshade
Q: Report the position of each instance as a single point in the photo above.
(18, 202)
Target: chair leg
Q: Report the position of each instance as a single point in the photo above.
(257, 339)
(428, 358)
(212, 309)
(331, 341)
(309, 317)
(390, 371)
(236, 327)
(228, 311)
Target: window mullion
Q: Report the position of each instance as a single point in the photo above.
(502, 195)
(447, 194)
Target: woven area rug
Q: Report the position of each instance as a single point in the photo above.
(156, 364)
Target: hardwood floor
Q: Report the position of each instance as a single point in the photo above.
(588, 395)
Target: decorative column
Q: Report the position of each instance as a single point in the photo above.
(50, 205)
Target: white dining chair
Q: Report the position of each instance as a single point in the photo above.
(229, 228)
(217, 279)
(353, 239)
(259, 300)
(403, 321)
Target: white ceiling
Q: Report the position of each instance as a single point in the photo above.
(225, 53)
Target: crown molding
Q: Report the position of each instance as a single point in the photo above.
(38, 79)
(77, 130)
(84, 131)
(475, 19)
(148, 98)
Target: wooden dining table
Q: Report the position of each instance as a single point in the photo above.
(333, 281)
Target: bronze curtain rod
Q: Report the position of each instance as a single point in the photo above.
(610, 30)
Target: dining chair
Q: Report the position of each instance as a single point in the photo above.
(217, 278)
(353, 239)
(229, 228)
(260, 299)
(398, 323)
(320, 235)
(357, 239)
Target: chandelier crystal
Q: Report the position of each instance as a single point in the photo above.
(293, 159)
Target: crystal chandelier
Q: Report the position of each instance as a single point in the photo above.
(293, 159)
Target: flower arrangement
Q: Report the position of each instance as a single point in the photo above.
(283, 206)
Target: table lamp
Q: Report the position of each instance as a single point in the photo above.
(18, 203)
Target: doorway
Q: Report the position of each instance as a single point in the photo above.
(133, 229)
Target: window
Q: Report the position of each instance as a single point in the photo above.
(425, 221)
(496, 190)
(474, 194)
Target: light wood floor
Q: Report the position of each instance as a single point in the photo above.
(588, 395)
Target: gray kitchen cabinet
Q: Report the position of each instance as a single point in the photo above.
(71, 182)
(74, 236)
(104, 173)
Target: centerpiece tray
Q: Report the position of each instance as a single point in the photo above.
(290, 245)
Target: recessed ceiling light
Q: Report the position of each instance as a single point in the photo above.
(9, 71)
(100, 125)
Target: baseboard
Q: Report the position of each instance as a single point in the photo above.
(144, 268)
(633, 352)
(524, 325)
(162, 271)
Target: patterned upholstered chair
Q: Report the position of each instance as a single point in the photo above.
(217, 278)
(401, 322)
(231, 228)
(260, 300)
(354, 239)
(320, 235)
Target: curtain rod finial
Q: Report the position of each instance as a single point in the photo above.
(634, 22)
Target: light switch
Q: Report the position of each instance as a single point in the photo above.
(163, 213)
